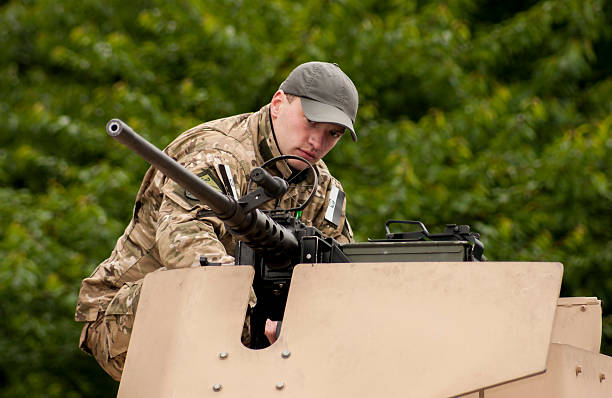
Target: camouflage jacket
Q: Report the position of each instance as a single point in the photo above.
(171, 229)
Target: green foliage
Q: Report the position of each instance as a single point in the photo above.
(494, 114)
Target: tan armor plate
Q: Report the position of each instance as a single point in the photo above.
(350, 330)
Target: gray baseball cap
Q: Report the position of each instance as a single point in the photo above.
(327, 93)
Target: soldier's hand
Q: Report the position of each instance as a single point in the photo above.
(272, 330)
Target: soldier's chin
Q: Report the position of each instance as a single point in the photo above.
(297, 164)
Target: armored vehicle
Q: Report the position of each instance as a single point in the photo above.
(412, 315)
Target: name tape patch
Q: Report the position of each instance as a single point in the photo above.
(334, 208)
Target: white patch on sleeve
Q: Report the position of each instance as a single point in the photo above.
(230, 178)
(331, 207)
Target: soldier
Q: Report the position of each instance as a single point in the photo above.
(171, 228)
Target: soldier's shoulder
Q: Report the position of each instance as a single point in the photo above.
(324, 173)
(224, 125)
(212, 135)
(326, 179)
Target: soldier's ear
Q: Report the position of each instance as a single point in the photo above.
(275, 104)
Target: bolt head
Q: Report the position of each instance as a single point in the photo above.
(280, 385)
(217, 387)
(286, 354)
(223, 355)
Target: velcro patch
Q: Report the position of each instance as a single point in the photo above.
(209, 176)
(334, 208)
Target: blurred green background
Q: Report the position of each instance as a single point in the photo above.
(494, 114)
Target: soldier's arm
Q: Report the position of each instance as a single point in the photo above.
(186, 227)
(185, 230)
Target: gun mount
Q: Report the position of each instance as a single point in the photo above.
(273, 244)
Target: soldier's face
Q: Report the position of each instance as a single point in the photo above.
(296, 135)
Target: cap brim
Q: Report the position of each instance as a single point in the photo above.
(316, 111)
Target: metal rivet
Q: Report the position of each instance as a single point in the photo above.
(602, 377)
(583, 308)
(286, 354)
(217, 387)
(308, 256)
(578, 370)
(280, 385)
(223, 355)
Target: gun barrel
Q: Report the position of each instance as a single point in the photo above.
(255, 228)
(222, 205)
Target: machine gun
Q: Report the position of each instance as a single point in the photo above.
(273, 242)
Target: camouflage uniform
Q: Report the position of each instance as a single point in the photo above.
(172, 229)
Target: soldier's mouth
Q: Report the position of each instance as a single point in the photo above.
(306, 155)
